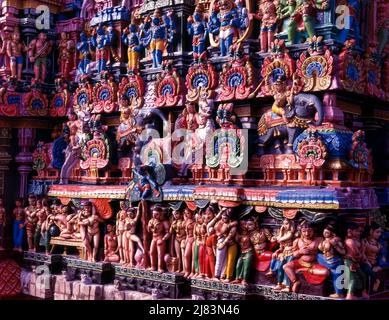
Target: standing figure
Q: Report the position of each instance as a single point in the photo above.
(372, 249)
(267, 13)
(226, 248)
(225, 22)
(197, 29)
(31, 220)
(38, 52)
(177, 231)
(85, 57)
(332, 248)
(42, 212)
(244, 264)
(130, 236)
(159, 228)
(65, 59)
(126, 134)
(303, 13)
(120, 221)
(6, 38)
(111, 245)
(14, 50)
(90, 231)
(130, 38)
(189, 224)
(283, 255)
(355, 278)
(211, 240)
(3, 221)
(154, 36)
(19, 216)
(199, 258)
(305, 251)
(101, 41)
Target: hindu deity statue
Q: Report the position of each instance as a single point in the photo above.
(356, 278)
(3, 221)
(211, 240)
(332, 249)
(154, 36)
(31, 220)
(189, 224)
(244, 263)
(284, 254)
(302, 14)
(159, 227)
(65, 59)
(131, 39)
(199, 254)
(225, 22)
(120, 229)
(226, 248)
(130, 238)
(372, 249)
(19, 216)
(38, 52)
(305, 250)
(267, 14)
(126, 134)
(111, 245)
(178, 235)
(84, 47)
(101, 41)
(6, 38)
(197, 29)
(14, 51)
(42, 212)
(90, 230)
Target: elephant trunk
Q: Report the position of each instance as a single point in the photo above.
(320, 112)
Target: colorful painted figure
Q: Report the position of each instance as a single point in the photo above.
(211, 240)
(178, 234)
(120, 229)
(131, 39)
(130, 237)
(42, 212)
(225, 22)
(159, 228)
(282, 255)
(154, 36)
(189, 224)
(101, 41)
(19, 216)
(14, 50)
(305, 251)
(244, 263)
(84, 47)
(372, 249)
(31, 220)
(197, 29)
(332, 250)
(267, 14)
(226, 248)
(199, 253)
(65, 58)
(111, 245)
(354, 276)
(38, 52)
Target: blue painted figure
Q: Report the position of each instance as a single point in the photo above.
(84, 48)
(197, 29)
(155, 35)
(332, 248)
(225, 22)
(283, 255)
(101, 42)
(130, 38)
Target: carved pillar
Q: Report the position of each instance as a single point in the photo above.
(24, 158)
(5, 157)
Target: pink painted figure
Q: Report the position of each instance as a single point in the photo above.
(31, 220)
(65, 59)
(129, 237)
(177, 230)
(267, 13)
(14, 51)
(189, 224)
(90, 231)
(111, 245)
(159, 228)
(120, 221)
